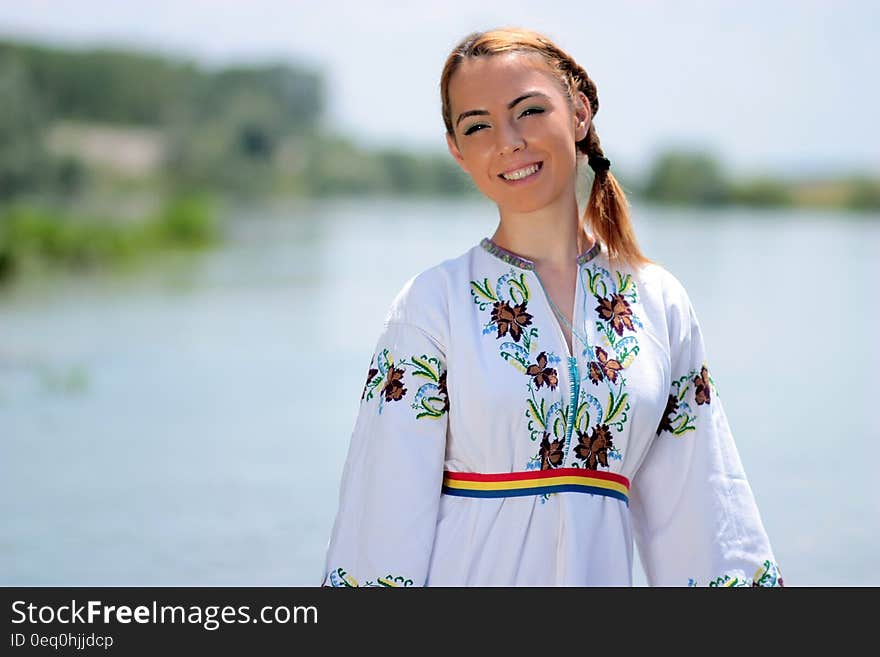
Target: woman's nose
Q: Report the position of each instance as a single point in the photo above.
(509, 138)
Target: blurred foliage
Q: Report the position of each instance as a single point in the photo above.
(689, 177)
(124, 87)
(684, 177)
(82, 124)
(257, 131)
(24, 160)
(37, 236)
(240, 131)
(337, 166)
(863, 194)
(187, 221)
(760, 192)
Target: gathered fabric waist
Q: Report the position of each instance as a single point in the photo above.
(536, 482)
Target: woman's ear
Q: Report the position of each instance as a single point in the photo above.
(456, 154)
(582, 116)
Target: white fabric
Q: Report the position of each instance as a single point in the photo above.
(691, 511)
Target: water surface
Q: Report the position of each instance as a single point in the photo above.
(186, 424)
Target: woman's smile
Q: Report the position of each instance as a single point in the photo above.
(522, 176)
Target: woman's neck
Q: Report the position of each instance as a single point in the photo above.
(548, 237)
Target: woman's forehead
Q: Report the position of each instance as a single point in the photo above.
(491, 79)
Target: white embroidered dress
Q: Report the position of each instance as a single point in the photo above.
(485, 454)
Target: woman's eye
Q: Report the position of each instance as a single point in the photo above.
(477, 126)
(473, 128)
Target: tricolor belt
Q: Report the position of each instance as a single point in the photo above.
(536, 482)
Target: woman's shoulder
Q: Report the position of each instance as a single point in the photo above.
(423, 300)
(662, 279)
(663, 292)
(663, 302)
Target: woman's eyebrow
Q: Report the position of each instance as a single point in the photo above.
(528, 94)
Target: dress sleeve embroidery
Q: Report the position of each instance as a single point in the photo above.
(339, 578)
(680, 416)
(767, 575)
(389, 380)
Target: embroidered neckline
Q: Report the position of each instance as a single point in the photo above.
(524, 263)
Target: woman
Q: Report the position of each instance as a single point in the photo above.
(535, 404)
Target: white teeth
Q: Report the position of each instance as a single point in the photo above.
(520, 173)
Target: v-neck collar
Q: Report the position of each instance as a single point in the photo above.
(524, 263)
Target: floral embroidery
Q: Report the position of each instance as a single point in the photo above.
(593, 449)
(509, 300)
(370, 374)
(604, 367)
(510, 319)
(512, 288)
(551, 454)
(394, 390)
(666, 422)
(340, 578)
(441, 387)
(383, 366)
(616, 296)
(701, 383)
(543, 374)
(552, 421)
(616, 310)
(679, 417)
(767, 575)
(431, 399)
(511, 291)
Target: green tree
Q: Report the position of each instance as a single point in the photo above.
(761, 192)
(864, 194)
(24, 161)
(686, 177)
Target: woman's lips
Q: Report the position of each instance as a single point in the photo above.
(528, 178)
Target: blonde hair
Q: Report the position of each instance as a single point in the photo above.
(607, 210)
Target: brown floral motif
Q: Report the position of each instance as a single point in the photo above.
(441, 385)
(551, 453)
(668, 414)
(607, 367)
(510, 319)
(543, 374)
(373, 371)
(701, 384)
(593, 449)
(616, 310)
(394, 390)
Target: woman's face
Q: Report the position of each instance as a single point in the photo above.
(508, 112)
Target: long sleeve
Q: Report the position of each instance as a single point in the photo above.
(695, 519)
(389, 496)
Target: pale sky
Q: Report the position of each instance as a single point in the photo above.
(785, 86)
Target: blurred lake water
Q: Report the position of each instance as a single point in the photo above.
(187, 425)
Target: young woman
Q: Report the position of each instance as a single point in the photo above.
(535, 404)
